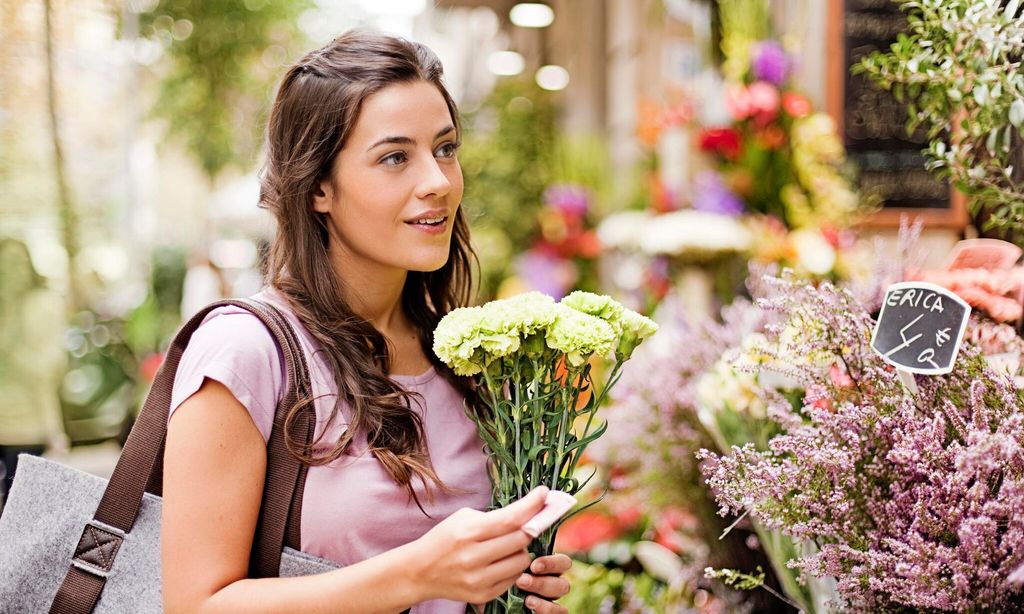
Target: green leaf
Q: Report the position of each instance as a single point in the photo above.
(535, 451)
(589, 438)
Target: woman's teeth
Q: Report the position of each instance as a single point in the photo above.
(431, 221)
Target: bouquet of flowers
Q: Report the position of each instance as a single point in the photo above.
(531, 360)
(778, 157)
(908, 501)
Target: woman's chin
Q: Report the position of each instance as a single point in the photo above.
(428, 265)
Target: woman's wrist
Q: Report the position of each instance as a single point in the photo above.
(410, 563)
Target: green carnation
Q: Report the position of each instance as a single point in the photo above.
(635, 328)
(528, 312)
(630, 327)
(458, 339)
(470, 338)
(597, 305)
(578, 335)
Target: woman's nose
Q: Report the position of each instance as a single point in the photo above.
(434, 181)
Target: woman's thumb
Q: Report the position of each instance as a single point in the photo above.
(515, 515)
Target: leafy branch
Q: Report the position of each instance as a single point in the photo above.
(958, 70)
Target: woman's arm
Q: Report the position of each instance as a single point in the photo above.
(213, 483)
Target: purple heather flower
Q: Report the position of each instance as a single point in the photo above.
(769, 62)
(915, 501)
(568, 198)
(712, 196)
(546, 272)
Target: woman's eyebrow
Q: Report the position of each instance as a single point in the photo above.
(404, 140)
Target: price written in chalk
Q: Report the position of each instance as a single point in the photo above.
(920, 327)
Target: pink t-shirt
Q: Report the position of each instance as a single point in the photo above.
(351, 508)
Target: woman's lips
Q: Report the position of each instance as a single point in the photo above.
(435, 229)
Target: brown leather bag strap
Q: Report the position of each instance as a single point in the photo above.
(280, 517)
(141, 463)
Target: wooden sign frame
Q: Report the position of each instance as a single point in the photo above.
(955, 216)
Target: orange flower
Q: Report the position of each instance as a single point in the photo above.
(772, 137)
(796, 105)
(647, 125)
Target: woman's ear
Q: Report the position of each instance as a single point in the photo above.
(323, 196)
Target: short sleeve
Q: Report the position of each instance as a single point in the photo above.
(235, 349)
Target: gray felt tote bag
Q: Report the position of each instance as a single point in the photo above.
(71, 542)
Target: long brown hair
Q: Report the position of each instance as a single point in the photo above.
(317, 105)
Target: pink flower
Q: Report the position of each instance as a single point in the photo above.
(840, 378)
(764, 98)
(738, 102)
(983, 289)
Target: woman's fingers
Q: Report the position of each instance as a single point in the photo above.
(502, 546)
(542, 606)
(551, 564)
(551, 587)
(508, 568)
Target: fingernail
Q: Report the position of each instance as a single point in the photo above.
(539, 567)
(524, 581)
(531, 602)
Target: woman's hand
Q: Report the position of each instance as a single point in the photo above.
(476, 556)
(544, 580)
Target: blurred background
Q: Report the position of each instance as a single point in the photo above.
(654, 150)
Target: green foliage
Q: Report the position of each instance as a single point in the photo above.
(506, 160)
(743, 22)
(222, 59)
(151, 324)
(744, 581)
(959, 71)
(737, 579)
(596, 588)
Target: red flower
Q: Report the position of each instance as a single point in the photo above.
(584, 531)
(589, 245)
(722, 141)
(666, 529)
(629, 515)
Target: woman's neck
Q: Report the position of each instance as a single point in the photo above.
(372, 290)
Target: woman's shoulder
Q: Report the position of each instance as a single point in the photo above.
(232, 329)
(233, 347)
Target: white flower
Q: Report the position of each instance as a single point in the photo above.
(814, 253)
(659, 561)
(622, 230)
(694, 233)
(725, 387)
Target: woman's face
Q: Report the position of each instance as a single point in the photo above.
(398, 168)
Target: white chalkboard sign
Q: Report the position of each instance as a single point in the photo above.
(920, 327)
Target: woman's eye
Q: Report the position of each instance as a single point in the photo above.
(448, 150)
(394, 159)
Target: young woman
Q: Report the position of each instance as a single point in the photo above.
(371, 250)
